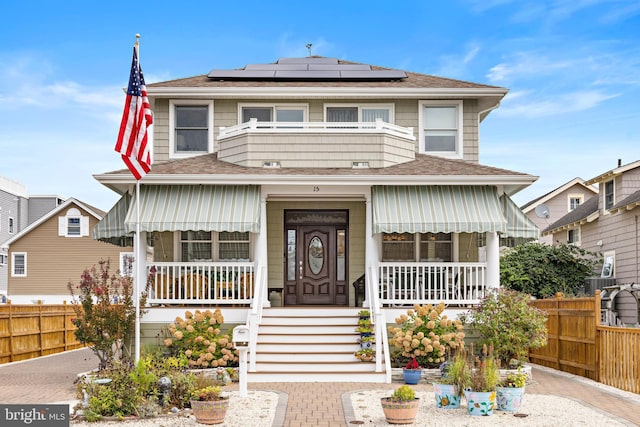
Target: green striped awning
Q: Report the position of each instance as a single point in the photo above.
(197, 207)
(436, 209)
(518, 224)
(111, 227)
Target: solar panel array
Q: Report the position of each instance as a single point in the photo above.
(309, 68)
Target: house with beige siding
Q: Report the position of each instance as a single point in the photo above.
(550, 207)
(295, 193)
(54, 250)
(608, 223)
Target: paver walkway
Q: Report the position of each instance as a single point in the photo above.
(50, 379)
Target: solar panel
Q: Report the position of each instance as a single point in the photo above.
(309, 68)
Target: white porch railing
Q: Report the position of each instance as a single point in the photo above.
(453, 283)
(316, 127)
(223, 283)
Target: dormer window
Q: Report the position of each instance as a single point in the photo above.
(441, 128)
(608, 194)
(191, 128)
(574, 201)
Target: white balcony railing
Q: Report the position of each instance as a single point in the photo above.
(453, 283)
(224, 283)
(255, 126)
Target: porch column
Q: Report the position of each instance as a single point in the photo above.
(370, 247)
(261, 258)
(493, 260)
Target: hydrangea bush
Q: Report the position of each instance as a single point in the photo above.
(426, 334)
(198, 338)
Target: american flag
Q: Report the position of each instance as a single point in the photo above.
(132, 138)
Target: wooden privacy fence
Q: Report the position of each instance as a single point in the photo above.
(33, 330)
(578, 344)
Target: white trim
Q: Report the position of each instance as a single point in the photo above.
(13, 264)
(172, 128)
(458, 104)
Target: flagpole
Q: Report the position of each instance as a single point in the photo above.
(138, 252)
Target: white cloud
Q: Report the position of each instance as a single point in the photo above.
(521, 105)
(455, 65)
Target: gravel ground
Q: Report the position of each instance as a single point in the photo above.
(258, 409)
(540, 410)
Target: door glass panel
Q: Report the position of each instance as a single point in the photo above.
(316, 255)
(340, 258)
(291, 254)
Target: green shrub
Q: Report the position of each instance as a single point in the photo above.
(403, 393)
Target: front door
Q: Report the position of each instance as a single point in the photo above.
(315, 260)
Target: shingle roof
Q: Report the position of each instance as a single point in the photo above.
(576, 215)
(631, 200)
(423, 165)
(413, 80)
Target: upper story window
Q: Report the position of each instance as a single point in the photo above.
(608, 194)
(574, 202)
(19, 264)
(11, 226)
(273, 113)
(191, 128)
(73, 224)
(440, 125)
(359, 113)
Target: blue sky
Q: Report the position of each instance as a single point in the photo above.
(572, 68)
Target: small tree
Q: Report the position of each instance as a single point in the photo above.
(543, 270)
(105, 311)
(510, 325)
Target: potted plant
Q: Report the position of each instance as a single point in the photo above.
(367, 341)
(364, 314)
(510, 391)
(481, 390)
(412, 372)
(426, 334)
(365, 354)
(208, 405)
(456, 376)
(401, 407)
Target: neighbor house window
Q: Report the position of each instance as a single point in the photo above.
(574, 202)
(3, 259)
(126, 264)
(73, 224)
(608, 194)
(19, 264)
(359, 113)
(191, 129)
(432, 247)
(573, 236)
(441, 128)
(10, 226)
(273, 113)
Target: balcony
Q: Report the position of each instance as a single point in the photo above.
(316, 144)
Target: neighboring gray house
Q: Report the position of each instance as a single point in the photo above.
(608, 223)
(550, 207)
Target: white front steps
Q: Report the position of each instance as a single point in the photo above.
(310, 344)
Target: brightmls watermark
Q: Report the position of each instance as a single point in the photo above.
(34, 415)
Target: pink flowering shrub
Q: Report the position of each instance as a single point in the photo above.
(199, 339)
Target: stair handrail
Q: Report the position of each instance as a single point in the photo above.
(378, 319)
(255, 314)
